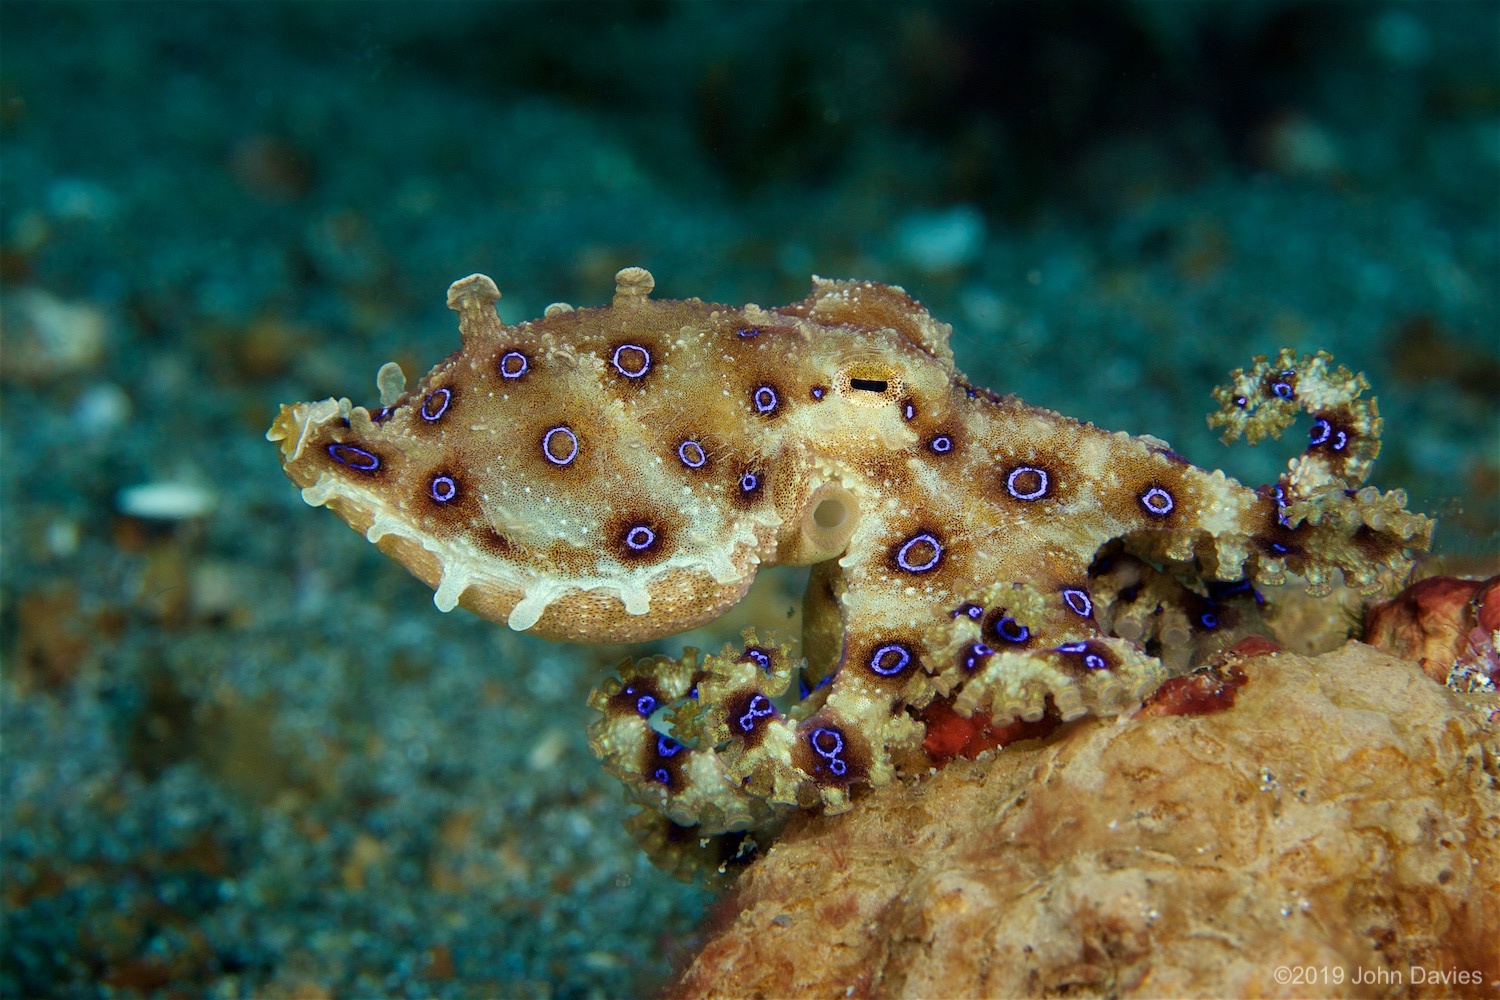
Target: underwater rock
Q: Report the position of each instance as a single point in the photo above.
(1449, 625)
(1341, 817)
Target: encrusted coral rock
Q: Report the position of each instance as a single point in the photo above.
(1339, 821)
(1449, 625)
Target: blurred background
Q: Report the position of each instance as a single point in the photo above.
(242, 752)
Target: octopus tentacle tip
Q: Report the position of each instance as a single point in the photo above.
(620, 474)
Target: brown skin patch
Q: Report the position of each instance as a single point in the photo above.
(513, 365)
(639, 537)
(917, 553)
(662, 759)
(633, 362)
(640, 693)
(831, 753)
(1001, 632)
(747, 713)
(1087, 658)
(944, 443)
(887, 660)
(446, 496)
(749, 487)
(346, 455)
(767, 399)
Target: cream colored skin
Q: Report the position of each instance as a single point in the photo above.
(874, 459)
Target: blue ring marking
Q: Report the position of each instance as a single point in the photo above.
(902, 553)
(977, 654)
(1078, 601)
(1005, 629)
(909, 411)
(1320, 432)
(1157, 501)
(1342, 440)
(975, 611)
(836, 763)
(749, 331)
(361, 460)
(1094, 661)
(507, 370)
(443, 488)
(760, 706)
(1241, 401)
(942, 444)
(667, 747)
(1036, 494)
(683, 454)
(427, 412)
(640, 544)
(1208, 620)
(1283, 390)
(645, 705)
(760, 658)
(547, 445)
(764, 399)
(662, 775)
(381, 415)
(878, 658)
(817, 392)
(645, 360)
(749, 482)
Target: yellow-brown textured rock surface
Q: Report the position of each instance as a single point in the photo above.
(1342, 816)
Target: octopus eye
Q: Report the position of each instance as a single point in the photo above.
(355, 458)
(443, 488)
(513, 364)
(631, 360)
(560, 445)
(436, 404)
(692, 455)
(764, 399)
(1157, 501)
(1027, 482)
